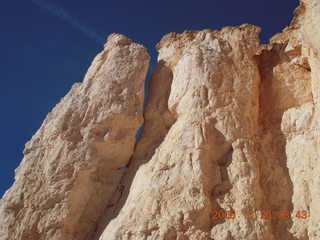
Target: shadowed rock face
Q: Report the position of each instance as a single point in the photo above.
(229, 125)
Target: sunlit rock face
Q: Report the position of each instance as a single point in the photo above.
(230, 147)
(205, 156)
(232, 126)
(70, 167)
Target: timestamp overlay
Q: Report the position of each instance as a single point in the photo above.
(259, 214)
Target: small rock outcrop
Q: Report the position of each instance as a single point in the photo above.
(230, 147)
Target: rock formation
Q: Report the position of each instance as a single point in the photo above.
(230, 147)
(61, 187)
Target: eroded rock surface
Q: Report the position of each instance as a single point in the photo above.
(229, 125)
(205, 158)
(70, 167)
(235, 127)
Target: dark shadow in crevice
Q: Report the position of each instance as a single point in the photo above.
(139, 132)
(275, 181)
(146, 94)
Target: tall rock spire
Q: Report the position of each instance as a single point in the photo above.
(70, 167)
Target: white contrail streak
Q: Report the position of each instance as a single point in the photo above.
(71, 20)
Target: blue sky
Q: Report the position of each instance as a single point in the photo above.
(47, 45)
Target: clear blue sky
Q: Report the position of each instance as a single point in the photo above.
(47, 45)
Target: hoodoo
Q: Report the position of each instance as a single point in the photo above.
(230, 147)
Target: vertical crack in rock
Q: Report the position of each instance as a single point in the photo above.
(284, 85)
(157, 122)
(289, 126)
(71, 165)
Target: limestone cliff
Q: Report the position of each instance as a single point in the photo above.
(230, 147)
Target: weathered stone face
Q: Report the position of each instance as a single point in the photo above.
(236, 129)
(70, 167)
(211, 104)
(229, 126)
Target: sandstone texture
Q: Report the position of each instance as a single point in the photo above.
(70, 168)
(205, 157)
(230, 126)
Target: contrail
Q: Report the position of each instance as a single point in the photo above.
(72, 21)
